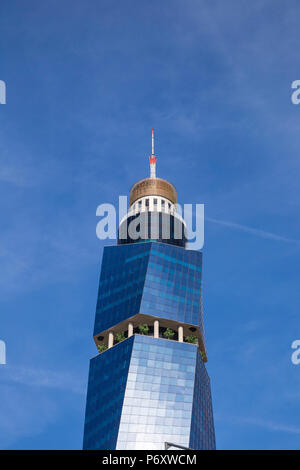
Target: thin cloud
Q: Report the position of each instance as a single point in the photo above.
(45, 378)
(272, 426)
(253, 231)
(262, 423)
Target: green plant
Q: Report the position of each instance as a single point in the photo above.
(202, 355)
(120, 337)
(169, 333)
(191, 339)
(101, 348)
(144, 329)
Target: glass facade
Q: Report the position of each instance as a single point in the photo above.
(151, 278)
(158, 400)
(107, 382)
(172, 287)
(202, 425)
(121, 284)
(147, 391)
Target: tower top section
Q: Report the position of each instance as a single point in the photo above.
(152, 186)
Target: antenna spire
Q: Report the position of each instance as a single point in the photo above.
(152, 141)
(152, 159)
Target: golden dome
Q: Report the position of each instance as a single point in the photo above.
(152, 187)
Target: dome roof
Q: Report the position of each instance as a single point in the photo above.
(152, 187)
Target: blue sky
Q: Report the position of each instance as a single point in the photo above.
(86, 82)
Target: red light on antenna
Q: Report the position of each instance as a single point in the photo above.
(152, 159)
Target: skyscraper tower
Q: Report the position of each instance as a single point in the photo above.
(148, 385)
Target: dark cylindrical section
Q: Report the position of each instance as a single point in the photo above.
(152, 225)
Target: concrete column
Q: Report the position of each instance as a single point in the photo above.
(156, 329)
(130, 329)
(180, 334)
(110, 339)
